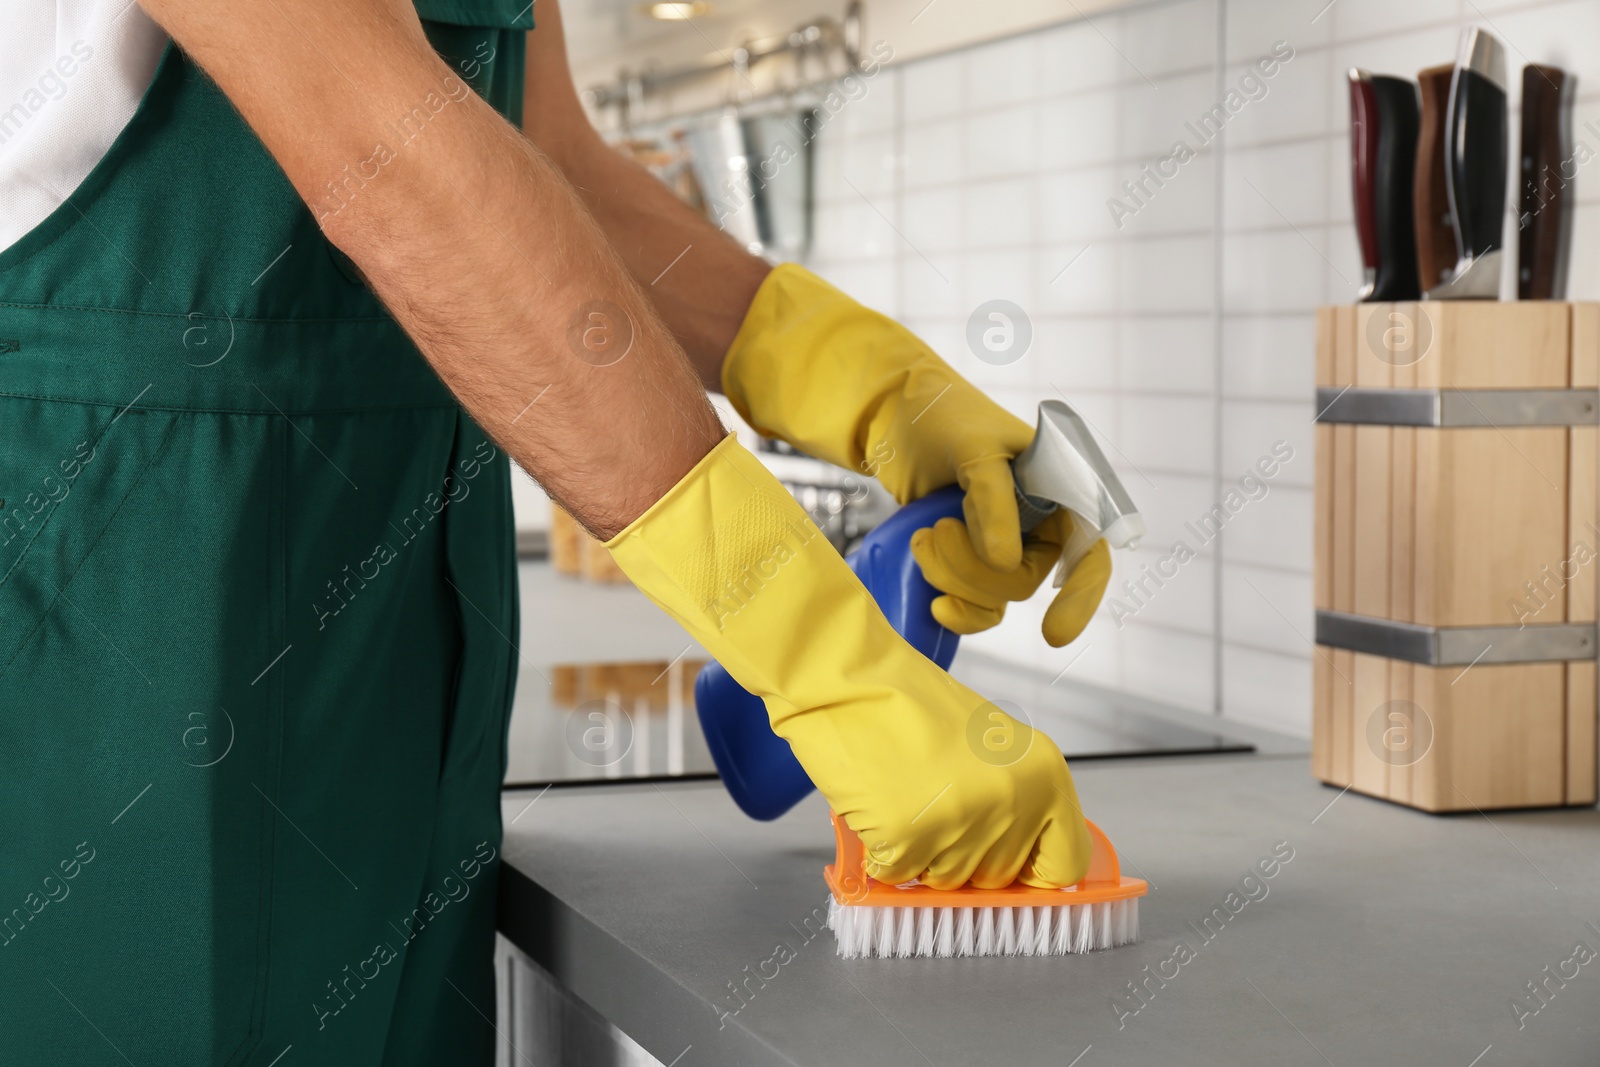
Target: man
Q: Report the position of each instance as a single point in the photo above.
(259, 631)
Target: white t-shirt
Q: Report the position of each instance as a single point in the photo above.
(72, 74)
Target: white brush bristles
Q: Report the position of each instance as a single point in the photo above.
(944, 933)
(888, 932)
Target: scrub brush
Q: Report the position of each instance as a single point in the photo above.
(870, 918)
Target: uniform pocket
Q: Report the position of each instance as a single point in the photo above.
(66, 470)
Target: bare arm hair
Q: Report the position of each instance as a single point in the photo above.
(704, 295)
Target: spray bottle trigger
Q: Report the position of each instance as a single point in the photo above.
(1081, 540)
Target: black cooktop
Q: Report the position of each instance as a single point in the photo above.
(577, 723)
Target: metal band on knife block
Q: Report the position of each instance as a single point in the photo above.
(1459, 409)
(1456, 646)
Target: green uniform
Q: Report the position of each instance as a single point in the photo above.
(258, 617)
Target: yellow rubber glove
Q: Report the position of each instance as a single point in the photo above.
(940, 784)
(841, 382)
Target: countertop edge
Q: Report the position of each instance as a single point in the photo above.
(660, 1013)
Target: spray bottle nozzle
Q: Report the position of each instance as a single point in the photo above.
(1064, 467)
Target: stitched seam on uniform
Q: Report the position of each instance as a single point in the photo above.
(278, 613)
(725, 569)
(232, 411)
(183, 315)
(465, 11)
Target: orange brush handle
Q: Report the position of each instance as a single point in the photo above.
(847, 878)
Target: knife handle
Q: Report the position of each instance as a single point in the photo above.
(1475, 159)
(1398, 121)
(1364, 126)
(1436, 235)
(1543, 217)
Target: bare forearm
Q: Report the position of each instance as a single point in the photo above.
(523, 303)
(699, 279)
(472, 238)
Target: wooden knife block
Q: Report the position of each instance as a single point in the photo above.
(1452, 526)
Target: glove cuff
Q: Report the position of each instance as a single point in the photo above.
(713, 543)
(787, 290)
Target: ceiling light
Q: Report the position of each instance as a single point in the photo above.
(677, 12)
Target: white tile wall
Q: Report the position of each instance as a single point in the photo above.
(1185, 333)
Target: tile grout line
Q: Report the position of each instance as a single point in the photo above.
(1219, 205)
(898, 146)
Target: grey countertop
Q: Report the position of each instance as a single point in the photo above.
(1390, 937)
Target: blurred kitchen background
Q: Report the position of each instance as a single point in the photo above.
(979, 156)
